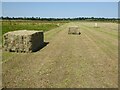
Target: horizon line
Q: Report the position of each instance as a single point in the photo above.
(57, 17)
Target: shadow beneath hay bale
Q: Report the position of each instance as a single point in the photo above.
(75, 33)
(44, 44)
(96, 27)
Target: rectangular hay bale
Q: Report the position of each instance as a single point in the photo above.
(73, 30)
(23, 41)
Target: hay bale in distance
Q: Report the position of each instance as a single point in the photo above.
(73, 30)
(96, 25)
(23, 41)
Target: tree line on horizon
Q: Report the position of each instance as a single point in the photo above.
(61, 19)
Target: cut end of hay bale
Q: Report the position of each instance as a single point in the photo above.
(23, 40)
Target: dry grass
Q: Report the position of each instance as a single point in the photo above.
(89, 60)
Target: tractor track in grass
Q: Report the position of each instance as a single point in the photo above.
(72, 61)
(108, 42)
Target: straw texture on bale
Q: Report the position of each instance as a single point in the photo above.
(23, 41)
(73, 30)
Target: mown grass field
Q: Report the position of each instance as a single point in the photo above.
(12, 25)
(88, 60)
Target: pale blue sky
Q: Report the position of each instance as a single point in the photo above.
(60, 0)
(60, 9)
